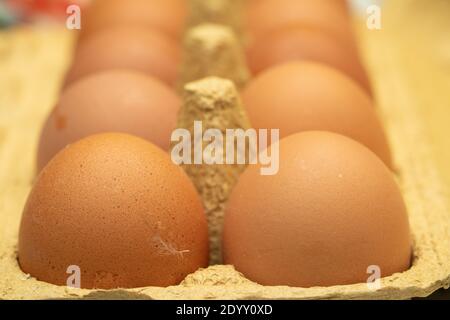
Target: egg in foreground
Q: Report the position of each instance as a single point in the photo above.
(110, 101)
(115, 206)
(332, 212)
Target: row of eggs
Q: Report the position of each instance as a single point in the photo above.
(115, 205)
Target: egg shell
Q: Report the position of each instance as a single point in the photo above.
(131, 47)
(168, 16)
(303, 43)
(303, 96)
(263, 16)
(332, 211)
(117, 207)
(110, 101)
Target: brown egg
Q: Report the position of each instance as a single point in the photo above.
(167, 16)
(263, 16)
(115, 206)
(302, 43)
(302, 96)
(332, 213)
(110, 101)
(344, 5)
(135, 48)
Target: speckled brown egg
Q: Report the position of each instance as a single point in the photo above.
(168, 16)
(132, 47)
(115, 206)
(110, 101)
(330, 215)
(302, 96)
(303, 43)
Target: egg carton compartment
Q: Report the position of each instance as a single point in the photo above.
(212, 51)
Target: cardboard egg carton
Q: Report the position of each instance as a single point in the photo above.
(214, 70)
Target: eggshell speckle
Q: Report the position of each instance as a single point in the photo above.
(302, 96)
(136, 48)
(110, 101)
(115, 206)
(332, 211)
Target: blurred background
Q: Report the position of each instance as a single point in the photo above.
(19, 11)
(412, 50)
